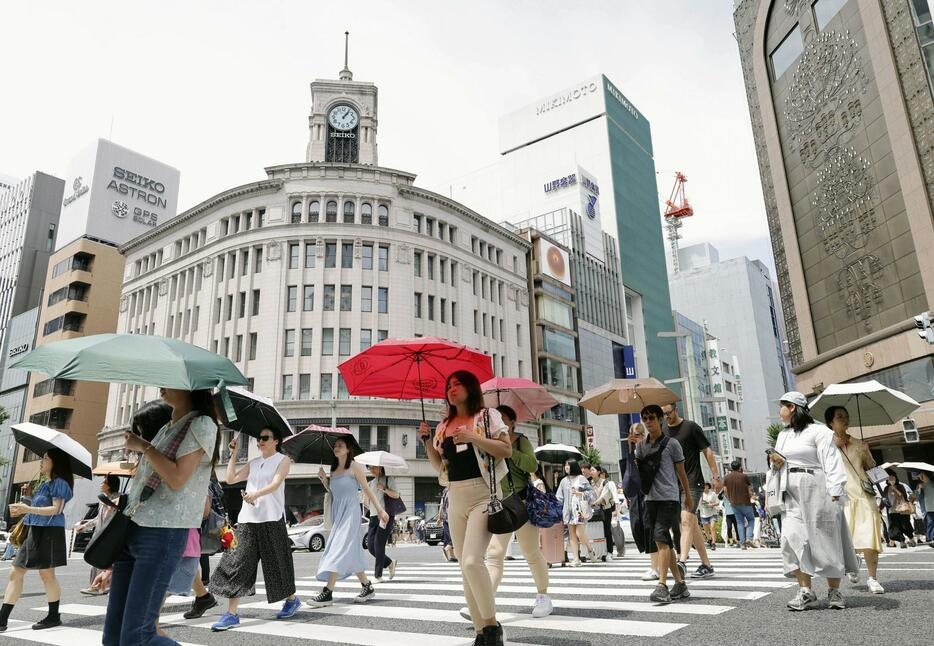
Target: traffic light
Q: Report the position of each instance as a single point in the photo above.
(910, 431)
(925, 328)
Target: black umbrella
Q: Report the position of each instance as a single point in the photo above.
(315, 444)
(254, 413)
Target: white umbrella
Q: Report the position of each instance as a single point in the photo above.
(382, 459)
(557, 453)
(40, 439)
(869, 402)
(916, 466)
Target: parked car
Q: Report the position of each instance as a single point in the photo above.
(312, 535)
(433, 532)
(83, 537)
(4, 537)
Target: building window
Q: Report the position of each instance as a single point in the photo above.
(787, 52)
(366, 298)
(383, 300)
(252, 350)
(825, 10)
(228, 307)
(255, 310)
(344, 342)
(364, 436)
(327, 341)
(330, 212)
(257, 259)
(286, 386)
(291, 300)
(383, 258)
(366, 339)
(454, 313)
(349, 212)
(289, 350)
(330, 255)
(310, 250)
(347, 255)
(366, 213)
(418, 222)
(442, 310)
(304, 386)
(308, 298)
(429, 227)
(296, 212)
(382, 335)
(558, 375)
(314, 210)
(293, 255)
(241, 305)
(329, 295)
(418, 305)
(346, 298)
(326, 390)
(383, 212)
(431, 307)
(238, 348)
(442, 267)
(368, 256)
(418, 264)
(431, 267)
(307, 338)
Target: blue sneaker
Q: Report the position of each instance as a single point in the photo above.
(289, 608)
(226, 622)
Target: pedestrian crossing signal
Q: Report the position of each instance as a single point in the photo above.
(925, 328)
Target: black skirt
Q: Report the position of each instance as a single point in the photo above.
(43, 548)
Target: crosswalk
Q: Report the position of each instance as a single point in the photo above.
(421, 606)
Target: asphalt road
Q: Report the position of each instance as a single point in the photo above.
(599, 604)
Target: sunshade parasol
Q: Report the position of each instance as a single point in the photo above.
(315, 444)
(254, 412)
(40, 439)
(868, 403)
(529, 399)
(382, 459)
(627, 396)
(556, 453)
(411, 368)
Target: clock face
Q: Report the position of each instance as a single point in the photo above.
(343, 117)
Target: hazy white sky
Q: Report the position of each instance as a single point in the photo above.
(220, 89)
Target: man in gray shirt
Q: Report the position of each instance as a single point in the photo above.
(663, 502)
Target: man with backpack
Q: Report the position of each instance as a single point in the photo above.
(661, 469)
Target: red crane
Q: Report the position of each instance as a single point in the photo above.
(678, 208)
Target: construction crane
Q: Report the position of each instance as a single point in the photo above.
(677, 209)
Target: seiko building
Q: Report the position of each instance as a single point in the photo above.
(291, 275)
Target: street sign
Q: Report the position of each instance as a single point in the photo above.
(722, 426)
(591, 441)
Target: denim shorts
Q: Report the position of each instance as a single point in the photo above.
(708, 520)
(184, 575)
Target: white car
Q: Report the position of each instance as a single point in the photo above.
(312, 535)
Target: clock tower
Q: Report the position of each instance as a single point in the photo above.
(342, 123)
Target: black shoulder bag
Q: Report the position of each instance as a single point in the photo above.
(649, 465)
(509, 514)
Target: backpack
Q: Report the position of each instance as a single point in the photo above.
(649, 465)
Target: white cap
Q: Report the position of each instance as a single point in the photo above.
(796, 398)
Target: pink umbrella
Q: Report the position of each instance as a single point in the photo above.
(529, 399)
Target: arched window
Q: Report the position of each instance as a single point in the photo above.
(314, 209)
(349, 211)
(383, 215)
(296, 212)
(366, 213)
(330, 213)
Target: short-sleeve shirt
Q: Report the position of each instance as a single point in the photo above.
(45, 494)
(184, 507)
(693, 442)
(665, 485)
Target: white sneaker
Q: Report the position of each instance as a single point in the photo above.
(542, 607)
(465, 613)
(576, 563)
(853, 577)
(874, 586)
(650, 575)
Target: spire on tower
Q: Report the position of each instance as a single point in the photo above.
(346, 74)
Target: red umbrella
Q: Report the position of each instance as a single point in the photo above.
(526, 397)
(411, 368)
(315, 444)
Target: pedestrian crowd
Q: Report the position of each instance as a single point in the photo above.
(817, 496)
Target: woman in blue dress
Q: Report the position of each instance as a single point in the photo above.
(343, 550)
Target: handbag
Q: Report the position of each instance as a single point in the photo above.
(18, 535)
(542, 508)
(866, 485)
(507, 515)
(393, 506)
(211, 529)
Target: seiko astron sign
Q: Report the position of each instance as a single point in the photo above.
(129, 194)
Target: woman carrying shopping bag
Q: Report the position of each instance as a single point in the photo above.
(577, 495)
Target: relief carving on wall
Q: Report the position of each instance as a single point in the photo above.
(823, 105)
(273, 251)
(846, 202)
(859, 287)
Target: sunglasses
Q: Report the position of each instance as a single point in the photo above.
(265, 438)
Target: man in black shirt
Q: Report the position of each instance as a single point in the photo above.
(694, 443)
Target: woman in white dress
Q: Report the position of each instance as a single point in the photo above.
(812, 528)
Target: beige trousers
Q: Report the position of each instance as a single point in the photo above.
(467, 503)
(527, 535)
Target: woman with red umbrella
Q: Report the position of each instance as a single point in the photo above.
(463, 440)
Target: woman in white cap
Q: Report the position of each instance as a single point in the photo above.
(812, 532)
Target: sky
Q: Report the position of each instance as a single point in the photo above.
(220, 89)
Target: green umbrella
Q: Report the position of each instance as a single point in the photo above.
(134, 359)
